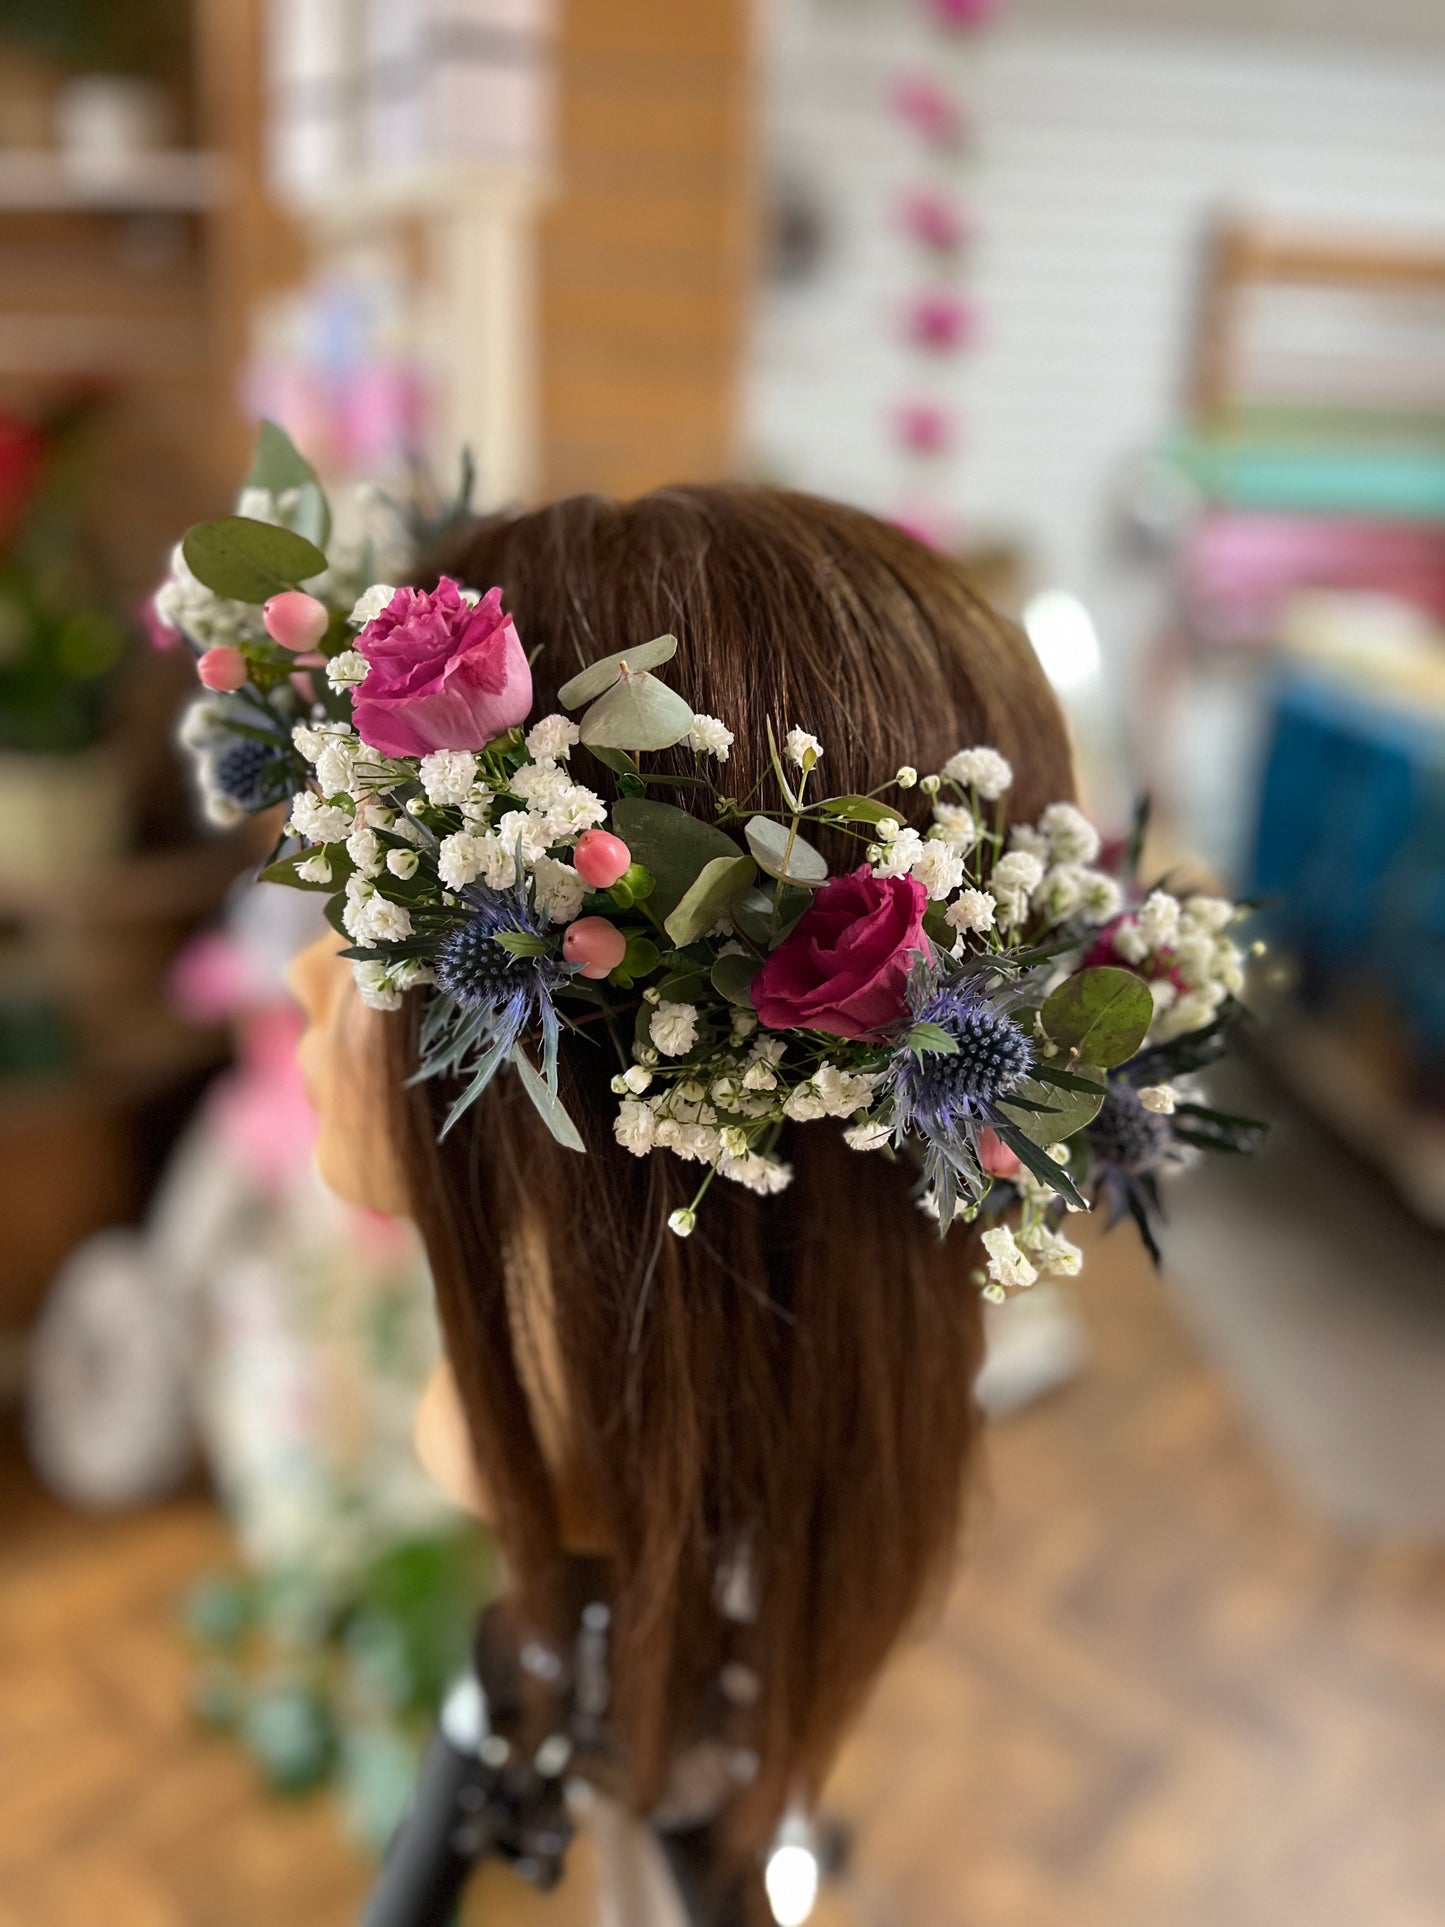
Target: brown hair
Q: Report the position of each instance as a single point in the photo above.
(793, 1382)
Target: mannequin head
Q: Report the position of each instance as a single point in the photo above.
(789, 1389)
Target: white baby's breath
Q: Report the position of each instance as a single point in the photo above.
(318, 822)
(447, 776)
(981, 769)
(1159, 1098)
(349, 670)
(1007, 1265)
(709, 737)
(674, 1028)
(402, 863)
(370, 603)
(972, 912)
(802, 749)
(553, 738)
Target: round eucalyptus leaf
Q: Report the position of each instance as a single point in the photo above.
(249, 561)
(1103, 1014)
(732, 977)
(783, 855)
(1062, 1114)
(716, 885)
(599, 676)
(669, 843)
(639, 712)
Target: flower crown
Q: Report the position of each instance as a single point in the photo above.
(992, 1000)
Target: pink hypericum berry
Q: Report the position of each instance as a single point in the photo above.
(596, 944)
(222, 668)
(924, 428)
(294, 619)
(600, 858)
(995, 1156)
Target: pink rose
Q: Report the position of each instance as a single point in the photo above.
(844, 969)
(443, 675)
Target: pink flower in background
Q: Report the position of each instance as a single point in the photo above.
(995, 1156)
(844, 969)
(964, 14)
(930, 110)
(444, 674)
(936, 220)
(931, 526)
(941, 321)
(159, 633)
(924, 428)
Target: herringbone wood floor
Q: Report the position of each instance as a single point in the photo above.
(1159, 1698)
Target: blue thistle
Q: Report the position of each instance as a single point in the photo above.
(492, 993)
(962, 1055)
(252, 774)
(1126, 1138)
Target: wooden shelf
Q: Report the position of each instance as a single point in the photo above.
(174, 182)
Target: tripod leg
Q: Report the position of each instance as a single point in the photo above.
(435, 1848)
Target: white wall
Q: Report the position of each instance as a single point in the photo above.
(1101, 156)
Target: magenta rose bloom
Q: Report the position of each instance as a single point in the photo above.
(844, 968)
(443, 675)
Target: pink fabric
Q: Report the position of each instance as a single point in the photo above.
(443, 675)
(844, 969)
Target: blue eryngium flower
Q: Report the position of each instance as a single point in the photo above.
(947, 1096)
(495, 983)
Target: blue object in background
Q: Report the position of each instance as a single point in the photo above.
(1350, 850)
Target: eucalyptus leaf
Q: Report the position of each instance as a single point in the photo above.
(753, 914)
(1054, 1114)
(732, 978)
(639, 712)
(769, 842)
(640, 960)
(549, 1106)
(599, 676)
(249, 561)
(671, 844)
(1102, 1014)
(716, 885)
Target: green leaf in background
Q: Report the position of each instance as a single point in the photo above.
(1067, 1112)
(639, 712)
(768, 840)
(278, 465)
(856, 809)
(671, 844)
(550, 1107)
(284, 870)
(598, 677)
(1102, 1014)
(716, 885)
(249, 561)
(732, 977)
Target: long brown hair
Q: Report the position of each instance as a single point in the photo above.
(793, 1383)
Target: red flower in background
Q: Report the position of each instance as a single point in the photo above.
(22, 462)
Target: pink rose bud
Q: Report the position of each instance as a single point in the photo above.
(995, 1156)
(601, 858)
(294, 619)
(596, 944)
(222, 668)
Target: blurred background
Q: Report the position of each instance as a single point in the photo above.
(1136, 305)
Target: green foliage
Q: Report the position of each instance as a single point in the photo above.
(640, 959)
(1102, 1014)
(672, 845)
(284, 870)
(278, 465)
(774, 847)
(718, 884)
(522, 943)
(856, 809)
(637, 713)
(1050, 1114)
(931, 1040)
(600, 676)
(732, 977)
(249, 561)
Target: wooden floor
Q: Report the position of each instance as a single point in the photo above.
(1159, 1698)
